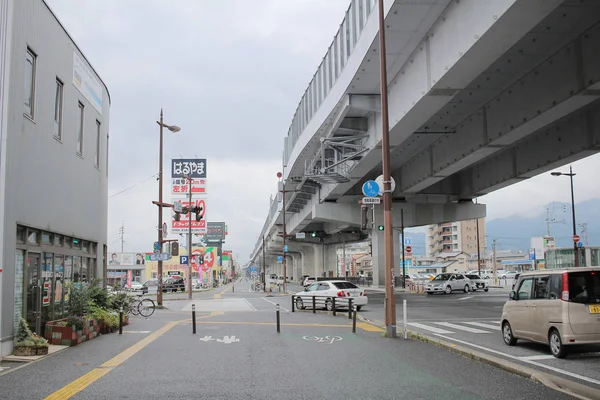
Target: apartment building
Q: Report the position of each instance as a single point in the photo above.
(455, 237)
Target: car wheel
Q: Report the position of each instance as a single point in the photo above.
(466, 289)
(329, 305)
(299, 303)
(429, 292)
(448, 289)
(507, 334)
(485, 290)
(358, 308)
(556, 346)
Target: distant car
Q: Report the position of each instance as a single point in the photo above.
(309, 280)
(326, 291)
(478, 283)
(447, 283)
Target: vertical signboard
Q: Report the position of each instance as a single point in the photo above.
(182, 226)
(194, 169)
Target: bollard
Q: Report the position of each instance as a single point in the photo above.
(277, 313)
(194, 319)
(293, 305)
(354, 320)
(314, 305)
(404, 319)
(121, 320)
(350, 308)
(232, 288)
(333, 305)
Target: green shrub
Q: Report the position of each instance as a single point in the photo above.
(26, 338)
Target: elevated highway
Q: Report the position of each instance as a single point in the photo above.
(482, 94)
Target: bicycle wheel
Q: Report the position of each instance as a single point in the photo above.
(133, 307)
(146, 307)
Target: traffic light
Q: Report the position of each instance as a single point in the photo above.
(314, 234)
(201, 259)
(198, 211)
(364, 220)
(174, 248)
(380, 227)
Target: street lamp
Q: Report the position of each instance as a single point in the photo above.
(280, 176)
(571, 175)
(172, 128)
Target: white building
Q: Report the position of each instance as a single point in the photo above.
(54, 114)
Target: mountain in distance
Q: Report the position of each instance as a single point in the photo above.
(515, 232)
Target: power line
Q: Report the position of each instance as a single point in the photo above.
(131, 187)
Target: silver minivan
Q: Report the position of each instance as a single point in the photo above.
(558, 307)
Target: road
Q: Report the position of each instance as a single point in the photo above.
(238, 354)
(473, 320)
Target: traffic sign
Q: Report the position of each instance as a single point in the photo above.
(407, 241)
(253, 268)
(579, 244)
(371, 200)
(160, 257)
(285, 248)
(183, 259)
(178, 206)
(164, 229)
(279, 258)
(576, 238)
(300, 235)
(370, 188)
(379, 181)
(408, 249)
(156, 247)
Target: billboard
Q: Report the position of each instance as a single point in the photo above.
(215, 231)
(195, 169)
(116, 259)
(182, 226)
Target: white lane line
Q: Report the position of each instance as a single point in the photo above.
(251, 306)
(538, 357)
(429, 328)
(466, 298)
(560, 371)
(280, 306)
(461, 328)
(482, 325)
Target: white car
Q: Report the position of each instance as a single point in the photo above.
(325, 291)
(309, 280)
(135, 286)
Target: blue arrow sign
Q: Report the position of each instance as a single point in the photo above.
(370, 188)
(580, 244)
(279, 258)
(183, 259)
(285, 248)
(253, 269)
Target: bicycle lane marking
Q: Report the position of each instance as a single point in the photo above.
(71, 389)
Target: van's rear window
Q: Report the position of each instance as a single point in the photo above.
(584, 287)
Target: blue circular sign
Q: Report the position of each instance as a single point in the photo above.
(370, 188)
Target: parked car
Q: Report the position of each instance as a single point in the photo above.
(327, 291)
(447, 283)
(558, 307)
(477, 283)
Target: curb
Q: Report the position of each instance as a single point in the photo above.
(554, 382)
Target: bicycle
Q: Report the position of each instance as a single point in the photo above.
(257, 287)
(144, 307)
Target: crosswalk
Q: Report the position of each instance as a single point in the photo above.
(446, 328)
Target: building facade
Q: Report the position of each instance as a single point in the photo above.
(54, 112)
(453, 237)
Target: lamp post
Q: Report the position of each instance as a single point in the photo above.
(189, 238)
(280, 176)
(388, 234)
(571, 175)
(172, 128)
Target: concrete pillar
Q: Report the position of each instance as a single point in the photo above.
(317, 260)
(378, 256)
(331, 260)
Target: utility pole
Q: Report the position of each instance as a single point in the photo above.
(388, 233)
(494, 256)
(280, 175)
(122, 233)
(190, 242)
(264, 269)
(478, 248)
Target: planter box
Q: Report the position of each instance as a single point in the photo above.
(30, 351)
(55, 333)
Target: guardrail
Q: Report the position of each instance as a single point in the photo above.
(322, 301)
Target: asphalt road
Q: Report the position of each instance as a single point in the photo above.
(473, 320)
(238, 354)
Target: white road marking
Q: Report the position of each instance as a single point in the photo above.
(460, 328)
(280, 306)
(466, 298)
(482, 325)
(250, 304)
(325, 339)
(561, 371)
(538, 357)
(428, 328)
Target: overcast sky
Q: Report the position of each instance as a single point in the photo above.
(230, 73)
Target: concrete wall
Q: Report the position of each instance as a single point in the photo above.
(48, 185)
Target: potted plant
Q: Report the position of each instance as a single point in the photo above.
(28, 343)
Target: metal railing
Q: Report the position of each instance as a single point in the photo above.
(328, 303)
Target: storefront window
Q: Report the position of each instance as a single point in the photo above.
(19, 281)
(92, 273)
(84, 269)
(76, 269)
(59, 285)
(68, 278)
(47, 280)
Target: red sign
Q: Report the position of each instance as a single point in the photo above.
(576, 238)
(182, 226)
(408, 249)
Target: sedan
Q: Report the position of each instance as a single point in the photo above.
(447, 283)
(325, 291)
(478, 283)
